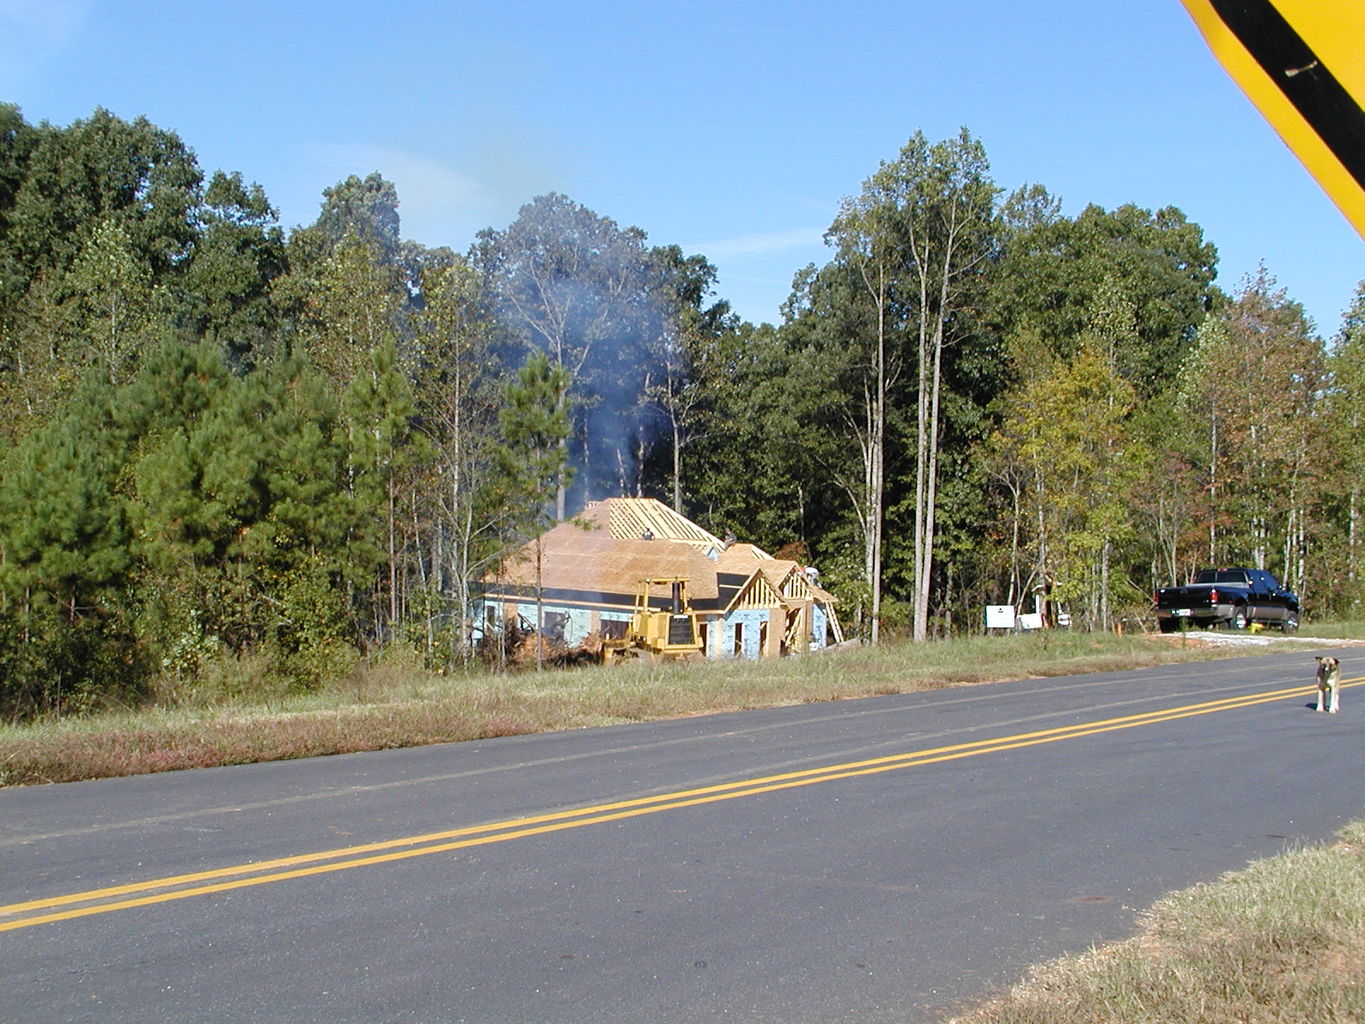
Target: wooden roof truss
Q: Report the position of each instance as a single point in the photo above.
(634, 518)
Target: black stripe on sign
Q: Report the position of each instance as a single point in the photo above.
(1322, 101)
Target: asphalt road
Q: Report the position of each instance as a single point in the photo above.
(872, 860)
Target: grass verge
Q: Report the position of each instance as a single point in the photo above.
(393, 706)
(1280, 942)
(1337, 630)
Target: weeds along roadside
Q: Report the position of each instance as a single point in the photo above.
(396, 704)
(1282, 941)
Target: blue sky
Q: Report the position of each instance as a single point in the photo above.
(730, 128)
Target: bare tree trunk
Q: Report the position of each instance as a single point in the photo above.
(462, 582)
(1105, 621)
(924, 560)
(867, 495)
(1352, 543)
(875, 509)
(677, 465)
(559, 483)
(1016, 528)
(393, 557)
(540, 607)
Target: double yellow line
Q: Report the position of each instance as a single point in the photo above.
(204, 883)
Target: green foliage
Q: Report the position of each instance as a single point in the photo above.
(188, 507)
(1255, 385)
(534, 424)
(312, 624)
(365, 209)
(99, 170)
(1343, 469)
(357, 308)
(383, 446)
(54, 665)
(1053, 266)
(65, 534)
(238, 253)
(229, 454)
(113, 293)
(1068, 430)
(912, 249)
(65, 634)
(458, 389)
(758, 442)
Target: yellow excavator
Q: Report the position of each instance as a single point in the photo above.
(671, 632)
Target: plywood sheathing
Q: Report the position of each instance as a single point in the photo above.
(741, 558)
(593, 560)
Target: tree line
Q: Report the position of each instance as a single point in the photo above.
(225, 441)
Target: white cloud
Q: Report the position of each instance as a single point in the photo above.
(435, 202)
(761, 242)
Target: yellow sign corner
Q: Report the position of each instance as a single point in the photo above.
(1302, 63)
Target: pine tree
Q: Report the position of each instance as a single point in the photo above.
(535, 422)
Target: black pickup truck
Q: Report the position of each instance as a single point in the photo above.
(1235, 597)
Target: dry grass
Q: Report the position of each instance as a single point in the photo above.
(396, 704)
(1281, 942)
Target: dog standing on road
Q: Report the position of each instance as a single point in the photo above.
(1329, 684)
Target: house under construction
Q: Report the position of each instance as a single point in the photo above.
(748, 604)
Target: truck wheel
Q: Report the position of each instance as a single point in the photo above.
(1239, 617)
(1290, 623)
(1167, 625)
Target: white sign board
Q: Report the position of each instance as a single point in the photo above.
(999, 616)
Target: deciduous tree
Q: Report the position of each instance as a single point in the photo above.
(1257, 380)
(459, 391)
(238, 254)
(578, 287)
